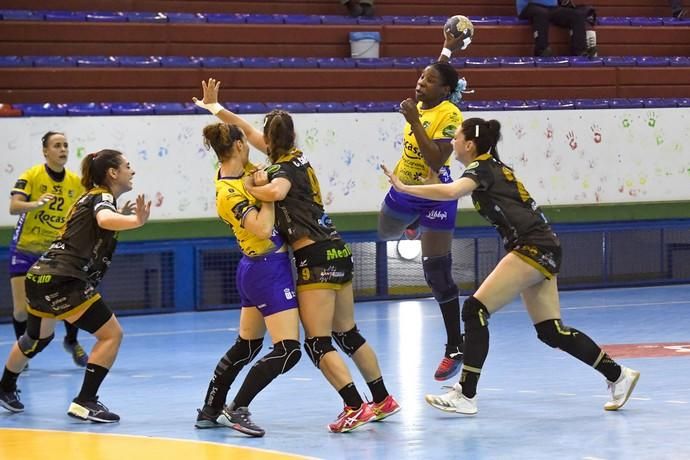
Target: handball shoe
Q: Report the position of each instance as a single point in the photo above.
(351, 418)
(622, 388)
(93, 410)
(10, 401)
(79, 356)
(208, 418)
(239, 420)
(385, 408)
(450, 364)
(453, 401)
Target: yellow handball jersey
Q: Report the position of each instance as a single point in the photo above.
(233, 203)
(37, 229)
(439, 122)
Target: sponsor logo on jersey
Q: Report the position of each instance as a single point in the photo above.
(50, 220)
(272, 169)
(107, 197)
(332, 254)
(20, 184)
(449, 131)
(472, 165)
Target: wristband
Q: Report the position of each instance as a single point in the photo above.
(446, 52)
(215, 108)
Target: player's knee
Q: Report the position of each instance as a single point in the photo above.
(438, 276)
(31, 347)
(474, 314)
(349, 341)
(317, 347)
(553, 333)
(287, 354)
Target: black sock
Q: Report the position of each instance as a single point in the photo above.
(93, 377)
(469, 380)
(258, 378)
(351, 396)
(19, 327)
(608, 368)
(451, 319)
(240, 354)
(70, 332)
(378, 390)
(9, 380)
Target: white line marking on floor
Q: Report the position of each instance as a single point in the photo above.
(59, 375)
(527, 391)
(566, 394)
(141, 376)
(181, 377)
(673, 401)
(301, 379)
(640, 399)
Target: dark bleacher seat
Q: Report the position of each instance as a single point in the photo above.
(331, 107)
(223, 18)
(221, 62)
(591, 104)
(377, 106)
(293, 107)
(14, 61)
(521, 105)
(626, 103)
(97, 61)
(186, 18)
(250, 107)
(52, 61)
(106, 17)
(652, 61)
(42, 110)
(173, 108)
(380, 63)
(485, 105)
(302, 19)
(146, 16)
(554, 61)
(619, 61)
(516, 62)
(139, 61)
(89, 108)
(554, 104)
(180, 61)
(131, 108)
(62, 16)
(583, 61)
(656, 102)
(21, 15)
(298, 62)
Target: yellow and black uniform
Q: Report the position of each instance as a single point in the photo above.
(36, 229)
(503, 201)
(63, 280)
(326, 264)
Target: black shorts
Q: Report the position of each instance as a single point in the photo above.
(55, 296)
(324, 265)
(546, 259)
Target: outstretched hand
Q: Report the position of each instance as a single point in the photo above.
(142, 209)
(210, 93)
(392, 178)
(455, 43)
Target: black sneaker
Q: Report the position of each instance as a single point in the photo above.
(208, 418)
(680, 14)
(10, 401)
(92, 410)
(79, 356)
(239, 420)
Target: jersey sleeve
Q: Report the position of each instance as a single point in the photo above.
(283, 170)
(480, 172)
(450, 120)
(234, 207)
(23, 186)
(103, 201)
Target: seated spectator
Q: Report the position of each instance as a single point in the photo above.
(677, 10)
(579, 20)
(359, 7)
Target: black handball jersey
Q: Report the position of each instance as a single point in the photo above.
(301, 213)
(503, 201)
(83, 250)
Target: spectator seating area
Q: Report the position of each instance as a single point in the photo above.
(160, 57)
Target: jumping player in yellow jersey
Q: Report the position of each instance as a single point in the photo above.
(431, 121)
(62, 283)
(42, 197)
(264, 281)
(529, 269)
(323, 261)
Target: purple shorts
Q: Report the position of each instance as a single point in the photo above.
(433, 215)
(266, 282)
(20, 262)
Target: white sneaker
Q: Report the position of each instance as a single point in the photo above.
(453, 401)
(622, 388)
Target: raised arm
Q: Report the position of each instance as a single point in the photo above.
(210, 103)
(114, 221)
(440, 192)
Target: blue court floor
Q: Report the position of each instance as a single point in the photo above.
(534, 402)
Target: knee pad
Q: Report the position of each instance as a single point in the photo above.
(242, 353)
(438, 276)
(284, 356)
(31, 347)
(553, 333)
(474, 314)
(317, 347)
(349, 341)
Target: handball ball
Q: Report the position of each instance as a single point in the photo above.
(459, 26)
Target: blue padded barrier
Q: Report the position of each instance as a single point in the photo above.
(97, 61)
(131, 108)
(265, 19)
(14, 61)
(483, 63)
(619, 61)
(652, 61)
(90, 108)
(173, 108)
(626, 103)
(186, 18)
(21, 15)
(584, 61)
(139, 61)
(591, 103)
(302, 19)
(293, 107)
(42, 110)
(221, 62)
(251, 107)
(516, 62)
(226, 18)
(137, 16)
(336, 63)
(106, 17)
(553, 61)
(52, 61)
(180, 61)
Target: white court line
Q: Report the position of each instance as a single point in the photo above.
(565, 394)
(672, 401)
(59, 375)
(181, 376)
(527, 391)
(141, 376)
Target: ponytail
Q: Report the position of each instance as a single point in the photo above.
(279, 131)
(95, 166)
(485, 135)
